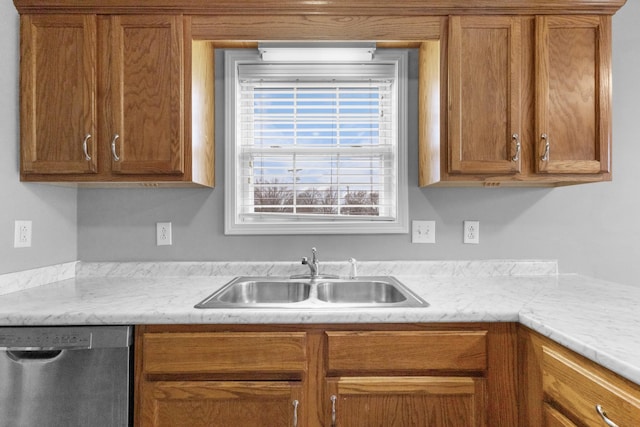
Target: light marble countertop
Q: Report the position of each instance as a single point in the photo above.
(597, 319)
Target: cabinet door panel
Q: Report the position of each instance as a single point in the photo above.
(578, 390)
(220, 404)
(407, 401)
(58, 94)
(484, 91)
(553, 418)
(147, 83)
(573, 74)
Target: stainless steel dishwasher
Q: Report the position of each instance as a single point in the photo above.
(65, 376)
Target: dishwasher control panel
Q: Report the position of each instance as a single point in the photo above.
(44, 338)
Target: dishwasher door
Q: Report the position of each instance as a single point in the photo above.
(65, 376)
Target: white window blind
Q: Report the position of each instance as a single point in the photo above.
(316, 143)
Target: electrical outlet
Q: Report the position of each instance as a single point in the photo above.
(22, 234)
(472, 232)
(423, 232)
(163, 234)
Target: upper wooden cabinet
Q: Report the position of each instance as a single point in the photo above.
(103, 101)
(485, 72)
(58, 91)
(573, 94)
(528, 102)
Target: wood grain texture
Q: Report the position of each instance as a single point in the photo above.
(58, 94)
(225, 352)
(219, 404)
(363, 351)
(577, 388)
(202, 112)
(573, 94)
(305, 27)
(429, 107)
(351, 7)
(484, 94)
(408, 401)
(554, 376)
(183, 358)
(147, 73)
(553, 418)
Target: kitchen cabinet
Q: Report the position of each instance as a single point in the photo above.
(220, 378)
(103, 100)
(528, 102)
(484, 92)
(561, 388)
(573, 94)
(326, 375)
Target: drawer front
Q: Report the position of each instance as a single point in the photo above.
(406, 351)
(224, 352)
(578, 388)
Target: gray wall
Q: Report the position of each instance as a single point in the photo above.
(592, 229)
(53, 210)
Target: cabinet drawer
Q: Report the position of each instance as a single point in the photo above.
(578, 387)
(406, 351)
(224, 352)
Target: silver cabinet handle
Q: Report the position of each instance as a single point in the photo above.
(295, 413)
(113, 148)
(516, 138)
(84, 146)
(333, 410)
(604, 417)
(545, 155)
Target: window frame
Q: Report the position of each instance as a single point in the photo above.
(299, 225)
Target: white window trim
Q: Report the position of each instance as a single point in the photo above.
(233, 226)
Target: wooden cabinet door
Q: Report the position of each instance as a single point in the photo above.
(553, 418)
(484, 95)
(147, 87)
(221, 404)
(573, 94)
(58, 94)
(405, 401)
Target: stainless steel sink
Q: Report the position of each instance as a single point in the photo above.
(360, 292)
(318, 293)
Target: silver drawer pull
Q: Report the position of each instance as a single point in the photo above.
(516, 138)
(604, 417)
(84, 147)
(295, 413)
(547, 147)
(113, 148)
(333, 410)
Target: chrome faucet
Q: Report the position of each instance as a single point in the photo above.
(314, 265)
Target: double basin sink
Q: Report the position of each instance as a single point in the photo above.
(319, 292)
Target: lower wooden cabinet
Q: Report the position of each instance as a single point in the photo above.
(561, 388)
(427, 375)
(407, 401)
(220, 403)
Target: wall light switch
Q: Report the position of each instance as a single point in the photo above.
(163, 234)
(423, 232)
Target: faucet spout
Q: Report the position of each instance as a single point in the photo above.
(314, 264)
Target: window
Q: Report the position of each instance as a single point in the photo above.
(315, 147)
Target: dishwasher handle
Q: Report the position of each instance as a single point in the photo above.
(26, 356)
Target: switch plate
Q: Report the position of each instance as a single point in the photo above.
(163, 234)
(423, 232)
(22, 234)
(471, 232)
